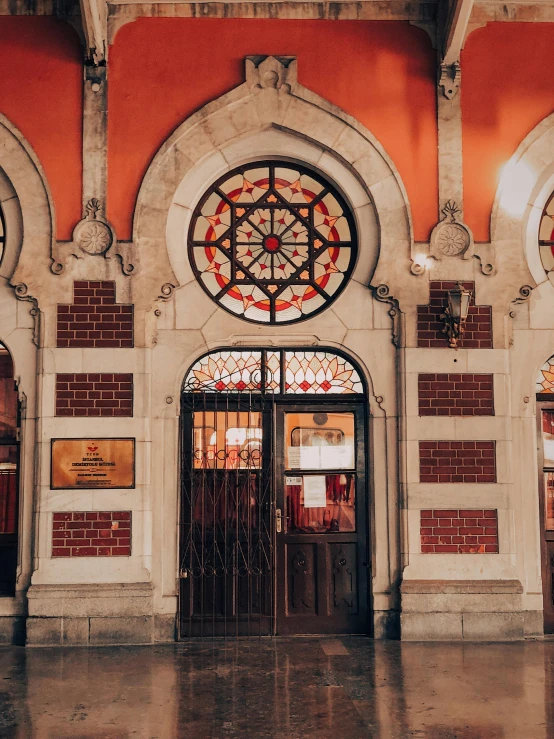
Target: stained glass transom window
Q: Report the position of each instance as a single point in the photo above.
(274, 371)
(546, 236)
(545, 380)
(272, 242)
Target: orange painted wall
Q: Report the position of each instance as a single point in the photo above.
(163, 70)
(41, 94)
(507, 89)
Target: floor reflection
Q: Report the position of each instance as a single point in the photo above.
(350, 688)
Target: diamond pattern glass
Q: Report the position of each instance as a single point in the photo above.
(312, 372)
(272, 243)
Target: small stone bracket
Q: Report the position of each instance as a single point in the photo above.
(382, 294)
(92, 236)
(451, 237)
(271, 72)
(518, 312)
(22, 293)
(450, 77)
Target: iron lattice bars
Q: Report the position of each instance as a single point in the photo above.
(226, 537)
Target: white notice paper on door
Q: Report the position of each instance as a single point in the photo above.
(314, 492)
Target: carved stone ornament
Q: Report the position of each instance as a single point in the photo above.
(95, 237)
(22, 293)
(450, 77)
(451, 237)
(93, 234)
(270, 72)
(382, 294)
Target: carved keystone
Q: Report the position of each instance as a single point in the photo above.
(270, 72)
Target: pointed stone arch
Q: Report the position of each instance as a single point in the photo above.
(270, 115)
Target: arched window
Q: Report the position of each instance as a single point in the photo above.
(546, 235)
(9, 460)
(274, 371)
(272, 242)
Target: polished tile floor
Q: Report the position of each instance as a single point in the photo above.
(345, 688)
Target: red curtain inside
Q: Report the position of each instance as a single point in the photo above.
(338, 514)
(8, 501)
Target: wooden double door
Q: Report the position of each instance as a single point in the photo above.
(274, 516)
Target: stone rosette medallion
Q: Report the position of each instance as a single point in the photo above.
(451, 237)
(93, 235)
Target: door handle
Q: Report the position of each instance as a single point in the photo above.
(279, 520)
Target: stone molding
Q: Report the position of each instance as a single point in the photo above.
(461, 586)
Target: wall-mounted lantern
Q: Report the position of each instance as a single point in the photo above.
(455, 314)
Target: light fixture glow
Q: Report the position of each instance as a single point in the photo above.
(517, 180)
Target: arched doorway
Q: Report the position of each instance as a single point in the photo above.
(274, 516)
(545, 430)
(9, 479)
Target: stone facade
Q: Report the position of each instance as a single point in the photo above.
(103, 332)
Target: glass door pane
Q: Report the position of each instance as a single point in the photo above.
(320, 482)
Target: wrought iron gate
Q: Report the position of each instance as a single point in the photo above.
(227, 547)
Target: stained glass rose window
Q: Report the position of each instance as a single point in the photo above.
(272, 242)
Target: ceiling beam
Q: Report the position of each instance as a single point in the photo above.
(94, 19)
(455, 30)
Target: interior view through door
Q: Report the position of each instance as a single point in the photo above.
(545, 417)
(273, 520)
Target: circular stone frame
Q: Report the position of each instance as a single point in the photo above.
(271, 249)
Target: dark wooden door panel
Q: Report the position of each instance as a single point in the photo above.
(302, 579)
(344, 589)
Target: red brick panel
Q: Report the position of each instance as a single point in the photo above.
(457, 461)
(94, 319)
(459, 532)
(455, 395)
(92, 534)
(94, 395)
(478, 326)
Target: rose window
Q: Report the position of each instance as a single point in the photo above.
(272, 242)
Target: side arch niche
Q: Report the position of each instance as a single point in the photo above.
(270, 116)
(526, 186)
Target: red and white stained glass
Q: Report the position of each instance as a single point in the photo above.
(291, 372)
(226, 371)
(272, 242)
(545, 380)
(320, 373)
(546, 236)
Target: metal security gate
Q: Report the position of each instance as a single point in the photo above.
(227, 548)
(273, 520)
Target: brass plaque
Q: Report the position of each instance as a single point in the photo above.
(92, 463)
